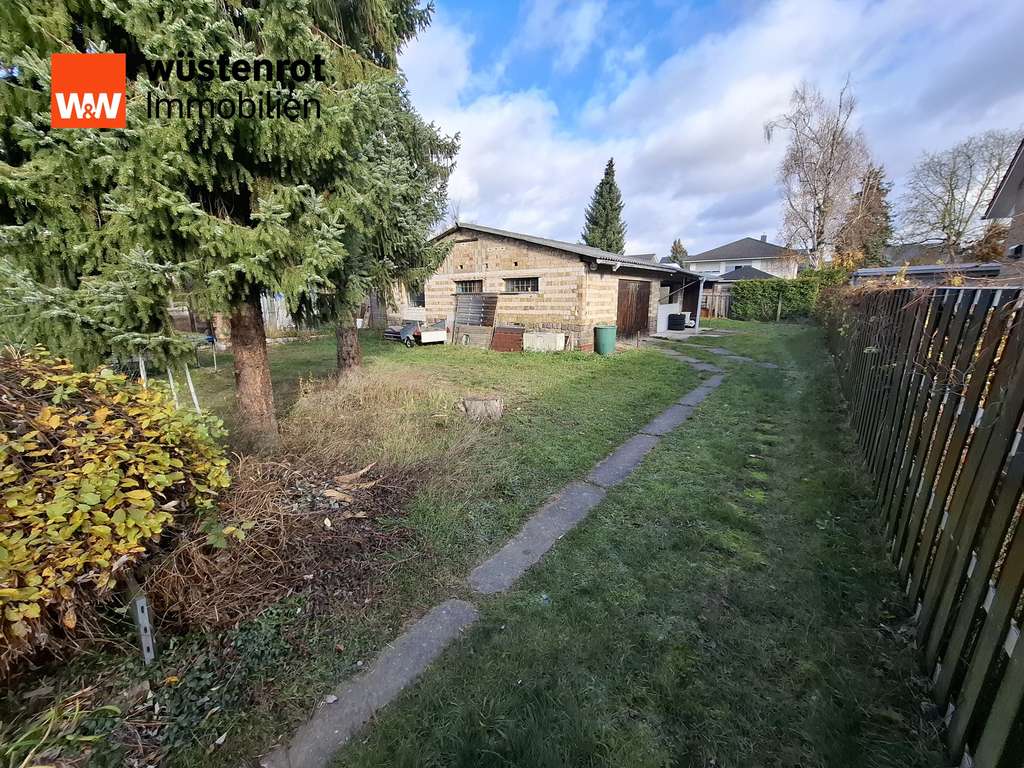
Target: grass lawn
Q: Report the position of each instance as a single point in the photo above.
(564, 412)
(255, 683)
(729, 605)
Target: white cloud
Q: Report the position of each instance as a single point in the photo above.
(437, 67)
(571, 28)
(686, 133)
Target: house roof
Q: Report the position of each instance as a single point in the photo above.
(742, 273)
(744, 248)
(644, 261)
(973, 268)
(1004, 201)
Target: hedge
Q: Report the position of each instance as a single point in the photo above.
(759, 299)
(93, 468)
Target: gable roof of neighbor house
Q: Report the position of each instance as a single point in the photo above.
(1005, 199)
(644, 261)
(744, 248)
(742, 273)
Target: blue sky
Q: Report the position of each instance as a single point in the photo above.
(542, 92)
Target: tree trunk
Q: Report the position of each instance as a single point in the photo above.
(254, 393)
(350, 355)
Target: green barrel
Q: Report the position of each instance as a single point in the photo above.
(604, 339)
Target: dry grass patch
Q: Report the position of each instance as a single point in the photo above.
(322, 520)
(387, 415)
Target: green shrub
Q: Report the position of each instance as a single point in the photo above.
(759, 299)
(92, 468)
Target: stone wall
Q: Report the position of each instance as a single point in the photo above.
(572, 298)
(602, 299)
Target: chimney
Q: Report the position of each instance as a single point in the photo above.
(764, 238)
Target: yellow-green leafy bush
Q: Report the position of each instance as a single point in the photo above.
(92, 468)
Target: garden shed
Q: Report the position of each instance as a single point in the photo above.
(541, 285)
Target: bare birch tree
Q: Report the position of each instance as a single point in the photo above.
(825, 157)
(947, 192)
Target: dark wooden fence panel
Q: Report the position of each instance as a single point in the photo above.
(934, 381)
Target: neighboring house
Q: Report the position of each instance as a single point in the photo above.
(929, 274)
(493, 277)
(745, 252)
(717, 297)
(1008, 203)
(741, 273)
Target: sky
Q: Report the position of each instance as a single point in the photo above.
(543, 92)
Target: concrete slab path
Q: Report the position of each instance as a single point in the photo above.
(721, 352)
(556, 518)
(354, 703)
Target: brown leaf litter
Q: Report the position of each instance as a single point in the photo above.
(305, 531)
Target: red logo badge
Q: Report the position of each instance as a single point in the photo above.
(87, 90)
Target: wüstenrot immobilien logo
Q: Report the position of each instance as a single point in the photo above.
(87, 90)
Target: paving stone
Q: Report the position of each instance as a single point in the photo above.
(722, 352)
(552, 521)
(706, 367)
(695, 397)
(668, 420)
(677, 355)
(333, 724)
(615, 468)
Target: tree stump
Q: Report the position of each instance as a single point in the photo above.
(482, 408)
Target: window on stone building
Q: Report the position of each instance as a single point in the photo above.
(522, 285)
(469, 286)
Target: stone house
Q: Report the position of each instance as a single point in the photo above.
(1008, 203)
(745, 252)
(499, 278)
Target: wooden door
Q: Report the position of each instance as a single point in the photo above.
(634, 304)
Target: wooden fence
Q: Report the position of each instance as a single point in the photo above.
(716, 304)
(935, 386)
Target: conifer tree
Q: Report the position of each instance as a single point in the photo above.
(603, 227)
(404, 195)
(100, 226)
(678, 254)
(867, 226)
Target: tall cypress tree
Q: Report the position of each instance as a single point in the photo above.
(867, 225)
(101, 226)
(603, 227)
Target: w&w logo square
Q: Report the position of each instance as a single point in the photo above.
(87, 90)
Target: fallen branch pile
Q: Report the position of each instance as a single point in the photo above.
(285, 529)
